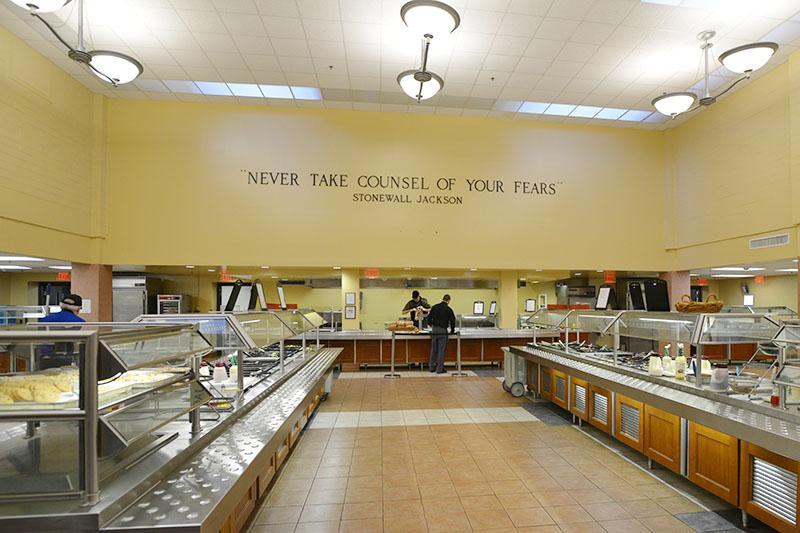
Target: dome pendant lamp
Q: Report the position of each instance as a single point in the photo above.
(112, 67)
(743, 60)
(429, 19)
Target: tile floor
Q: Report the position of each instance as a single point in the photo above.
(460, 454)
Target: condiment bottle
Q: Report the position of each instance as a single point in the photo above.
(654, 367)
(220, 374)
(719, 378)
(204, 369)
(775, 398)
(680, 367)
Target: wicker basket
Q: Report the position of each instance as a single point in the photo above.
(711, 305)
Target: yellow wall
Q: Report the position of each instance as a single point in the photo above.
(776, 290)
(183, 163)
(21, 288)
(732, 174)
(51, 157)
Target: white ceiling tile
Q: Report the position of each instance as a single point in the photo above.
(626, 36)
(319, 9)
(467, 60)
(500, 62)
(488, 5)
(302, 79)
(188, 58)
(155, 56)
(519, 25)
(203, 74)
(283, 27)
(236, 75)
(253, 45)
(181, 40)
(592, 32)
(336, 67)
(509, 45)
(481, 21)
(459, 75)
(235, 6)
(530, 7)
(581, 85)
(485, 91)
(577, 52)
(279, 8)
(323, 30)
(217, 42)
(163, 19)
(290, 47)
(515, 93)
(333, 81)
(365, 82)
(269, 77)
(457, 89)
(570, 9)
(359, 52)
(243, 24)
(544, 48)
(753, 29)
(327, 49)
(552, 83)
(520, 80)
(364, 68)
(473, 42)
(592, 71)
(202, 21)
(555, 29)
(650, 16)
(564, 69)
(532, 65)
(227, 60)
(609, 55)
(166, 72)
(361, 10)
(357, 32)
(262, 62)
(296, 64)
(197, 5)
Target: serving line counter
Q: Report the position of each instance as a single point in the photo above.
(122, 414)
(374, 347)
(729, 441)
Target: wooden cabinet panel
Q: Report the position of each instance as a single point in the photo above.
(347, 355)
(493, 349)
(560, 389)
(470, 350)
(533, 377)
(368, 351)
(768, 487)
(662, 437)
(546, 383)
(243, 509)
(601, 408)
(579, 398)
(265, 476)
(419, 351)
(714, 462)
(386, 352)
(629, 422)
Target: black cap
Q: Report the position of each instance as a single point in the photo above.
(73, 299)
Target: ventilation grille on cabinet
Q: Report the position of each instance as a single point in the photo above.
(775, 489)
(769, 242)
(600, 403)
(580, 398)
(561, 388)
(629, 417)
(546, 384)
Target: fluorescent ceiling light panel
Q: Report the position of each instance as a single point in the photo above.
(585, 111)
(18, 258)
(249, 90)
(14, 267)
(60, 267)
(306, 93)
(276, 91)
(731, 276)
(533, 107)
(610, 113)
(786, 270)
(663, 2)
(213, 88)
(151, 85)
(635, 115)
(182, 86)
(559, 110)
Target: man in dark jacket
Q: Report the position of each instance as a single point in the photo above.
(440, 318)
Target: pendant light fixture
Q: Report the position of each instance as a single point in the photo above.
(743, 60)
(427, 18)
(112, 67)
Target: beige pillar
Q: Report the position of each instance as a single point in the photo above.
(93, 284)
(678, 284)
(508, 301)
(351, 284)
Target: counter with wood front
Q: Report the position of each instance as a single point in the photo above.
(364, 348)
(746, 453)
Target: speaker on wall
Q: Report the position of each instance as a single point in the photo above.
(521, 284)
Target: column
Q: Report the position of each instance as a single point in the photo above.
(351, 285)
(678, 284)
(93, 284)
(507, 299)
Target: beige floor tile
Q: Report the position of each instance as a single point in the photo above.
(665, 524)
(325, 496)
(317, 527)
(279, 515)
(405, 524)
(678, 505)
(606, 511)
(271, 528)
(365, 481)
(473, 488)
(539, 529)
(403, 492)
(321, 513)
(630, 525)
(292, 484)
(333, 471)
(529, 517)
(520, 500)
(363, 494)
(568, 514)
(447, 521)
(582, 527)
(286, 497)
(590, 496)
(358, 511)
(481, 503)
(508, 486)
(488, 519)
(364, 525)
(329, 483)
(643, 508)
(554, 498)
(438, 491)
(400, 508)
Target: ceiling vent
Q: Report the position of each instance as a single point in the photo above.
(769, 242)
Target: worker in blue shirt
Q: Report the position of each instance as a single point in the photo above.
(70, 306)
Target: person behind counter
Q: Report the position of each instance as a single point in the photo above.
(70, 306)
(417, 304)
(440, 318)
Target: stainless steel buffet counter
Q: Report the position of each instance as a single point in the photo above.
(466, 333)
(759, 424)
(193, 482)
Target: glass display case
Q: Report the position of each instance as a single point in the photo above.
(786, 368)
(14, 315)
(478, 321)
(780, 313)
(86, 396)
